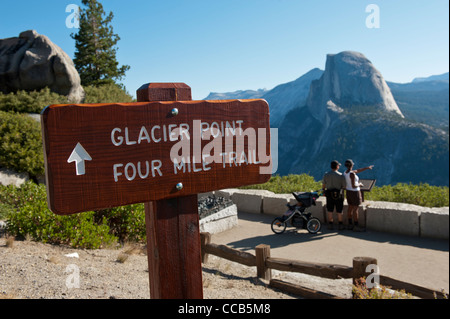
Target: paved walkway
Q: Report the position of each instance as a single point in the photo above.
(420, 261)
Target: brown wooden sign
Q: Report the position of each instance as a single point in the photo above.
(106, 155)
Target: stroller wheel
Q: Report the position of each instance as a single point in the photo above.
(278, 225)
(313, 226)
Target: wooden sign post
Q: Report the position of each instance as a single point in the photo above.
(173, 232)
(162, 151)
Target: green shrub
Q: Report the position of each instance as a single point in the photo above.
(79, 230)
(107, 93)
(30, 102)
(27, 214)
(422, 194)
(21, 144)
(288, 184)
(127, 223)
(12, 197)
(36, 101)
(30, 216)
(360, 291)
(4, 210)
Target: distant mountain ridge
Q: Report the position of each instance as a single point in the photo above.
(241, 94)
(425, 100)
(441, 77)
(288, 96)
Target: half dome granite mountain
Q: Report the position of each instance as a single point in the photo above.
(350, 112)
(350, 79)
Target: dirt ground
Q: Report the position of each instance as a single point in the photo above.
(31, 270)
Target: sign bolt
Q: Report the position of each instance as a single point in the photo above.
(179, 186)
(174, 111)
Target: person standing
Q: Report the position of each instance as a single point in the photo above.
(334, 184)
(353, 191)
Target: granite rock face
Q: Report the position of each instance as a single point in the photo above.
(10, 177)
(349, 111)
(32, 62)
(350, 79)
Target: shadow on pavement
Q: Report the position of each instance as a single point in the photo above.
(283, 240)
(292, 236)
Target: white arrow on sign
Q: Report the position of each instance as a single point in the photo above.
(79, 155)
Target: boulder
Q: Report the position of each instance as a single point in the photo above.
(10, 177)
(32, 62)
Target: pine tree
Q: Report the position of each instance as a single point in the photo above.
(95, 43)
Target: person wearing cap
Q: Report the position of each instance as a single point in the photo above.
(334, 184)
(353, 191)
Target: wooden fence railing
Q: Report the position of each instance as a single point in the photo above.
(264, 263)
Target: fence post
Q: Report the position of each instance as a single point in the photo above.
(262, 253)
(205, 239)
(359, 267)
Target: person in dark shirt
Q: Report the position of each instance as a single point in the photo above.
(334, 184)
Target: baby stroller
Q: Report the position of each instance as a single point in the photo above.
(296, 216)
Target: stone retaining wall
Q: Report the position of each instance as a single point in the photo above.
(399, 218)
(225, 219)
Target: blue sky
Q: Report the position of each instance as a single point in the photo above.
(227, 45)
